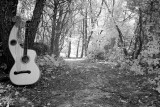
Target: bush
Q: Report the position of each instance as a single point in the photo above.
(40, 48)
(99, 55)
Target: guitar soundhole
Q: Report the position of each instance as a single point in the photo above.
(22, 72)
(25, 59)
(13, 42)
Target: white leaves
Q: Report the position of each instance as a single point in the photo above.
(6, 100)
(16, 93)
(153, 47)
(2, 91)
(67, 72)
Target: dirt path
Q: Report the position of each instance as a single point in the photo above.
(76, 84)
(67, 86)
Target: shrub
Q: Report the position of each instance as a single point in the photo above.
(40, 48)
(100, 56)
(96, 55)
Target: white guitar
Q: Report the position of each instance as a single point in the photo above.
(25, 71)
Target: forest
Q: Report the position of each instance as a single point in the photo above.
(79, 53)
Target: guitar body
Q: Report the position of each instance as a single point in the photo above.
(25, 71)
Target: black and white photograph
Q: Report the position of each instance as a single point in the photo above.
(79, 53)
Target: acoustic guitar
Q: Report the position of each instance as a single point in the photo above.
(24, 71)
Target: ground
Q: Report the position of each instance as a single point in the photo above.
(80, 83)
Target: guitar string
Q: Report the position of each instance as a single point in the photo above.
(18, 48)
(15, 35)
(26, 40)
(26, 43)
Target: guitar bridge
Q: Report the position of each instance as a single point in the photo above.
(22, 72)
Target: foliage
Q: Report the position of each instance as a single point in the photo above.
(150, 52)
(25, 8)
(96, 53)
(50, 61)
(148, 60)
(40, 48)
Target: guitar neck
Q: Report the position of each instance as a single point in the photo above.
(26, 40)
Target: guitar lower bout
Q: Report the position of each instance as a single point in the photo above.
(25, 71)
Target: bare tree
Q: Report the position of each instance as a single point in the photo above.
(60, 25)
(69, 46)
(34, 23)
(120, 34)
(77, 52)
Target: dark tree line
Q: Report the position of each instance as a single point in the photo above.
(7, 12)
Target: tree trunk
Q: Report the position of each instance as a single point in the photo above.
(8, 10)
(53, 29)
(77, 53)
(83, 39)
(139, 38)
(69, 47)
(33, 25)
(60, 20)
(85, 35)
(56, 50)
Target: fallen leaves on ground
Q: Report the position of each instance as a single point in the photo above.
(80, 84)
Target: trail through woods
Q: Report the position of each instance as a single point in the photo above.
(78, 83)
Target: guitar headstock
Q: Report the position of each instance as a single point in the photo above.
(19, 22)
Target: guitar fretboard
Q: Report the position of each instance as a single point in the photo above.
(26, 39)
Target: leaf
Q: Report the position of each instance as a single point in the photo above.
(16, 93)
(56, 63)
(52, 59)
(2, 91)
(158, 89)
(53, 77)
(41, 63)
(67, 72)
(46, 57)
(7, 105)
(49, 69)
(23, 99)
